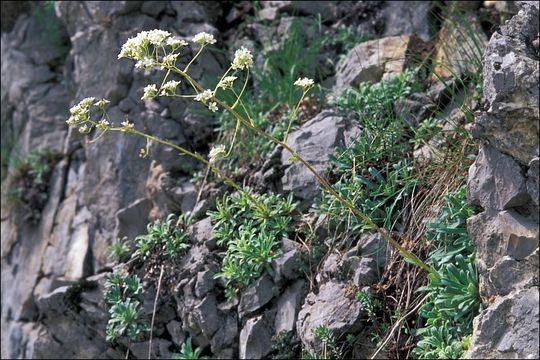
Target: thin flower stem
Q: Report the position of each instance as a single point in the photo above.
(404, 252)
(193, 59)
(293, 115)
(243, 89)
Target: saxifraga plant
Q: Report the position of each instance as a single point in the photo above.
(251, 232)
(158, 49)
(167, 235)
(453, 299)
(127, 317)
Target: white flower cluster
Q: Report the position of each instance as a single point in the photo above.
(127, 125)
(206, 95)
(80, 113)
(103, 124)
(175, 43)
(204, 38)
(169, 88)
(216, 153)
(227, 82)
(150, 91)
(304, 83)
(242, 59)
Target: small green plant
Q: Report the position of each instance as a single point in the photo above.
(188, 352)
(168, 236)
(329, 343)
(127, 317)
(453, 290)
(285, 345)
(120, 250)
(29, 188)
(369, 303)
(251, 230)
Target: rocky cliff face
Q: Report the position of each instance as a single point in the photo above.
(53, 272)
(503, 183)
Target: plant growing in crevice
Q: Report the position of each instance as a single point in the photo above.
(120, 250)
(188, 352)
(251, 230)
(158, 49)
(28, 190)
(127, 318)
(167, 236)
(453, 299)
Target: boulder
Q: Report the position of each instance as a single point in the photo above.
(332, 308)
(255, 296)
(508, 328)
(256, 338)
(370, 60)
(315, 141)
(288, 306)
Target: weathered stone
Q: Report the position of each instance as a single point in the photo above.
(286, 267)
(414, 109)
(227, 334)
(288, 306)
(160, 349)
(511, 89)
(205, 283)
(374, 245)
(174, 328)
(332, 308)
(532, 182)
(328, 10)
(370, 60)
(255, 296)
(496, 181)
(315, 141)
(412, 17)
(201, 231)
(131, 221)
(508, 328)
(256, 338)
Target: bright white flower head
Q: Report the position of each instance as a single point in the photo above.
(204, 96)
(84, 129)
(175, 42)
(216, 153)
(150, 91)
(242, 59)
(135, 47)
(127, 125)
(72, 120)
(103, 124)
(145, 63)
(170, 59)
(102, 103)
(87, 102)
(227, 82)
(213, 106)
(203, 38)
(304, 83)
(156, 37)
(169, 87)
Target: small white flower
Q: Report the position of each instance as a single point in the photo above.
(175, 42)
(127, 125)
(227, 82)
(150, 91)
(203, 38)
(170, 59)
(87, 102)
(304, 83)
(72, 120)
(103, 124)
(84, 129)
(216, 153)
(135, 47)
(77, 110)
(102, 103)
(156, 37)
(145, 63)
(204, 96)
(242, 59)
(213, 106)
(169, 88)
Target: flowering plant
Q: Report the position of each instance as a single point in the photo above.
(158, 49)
